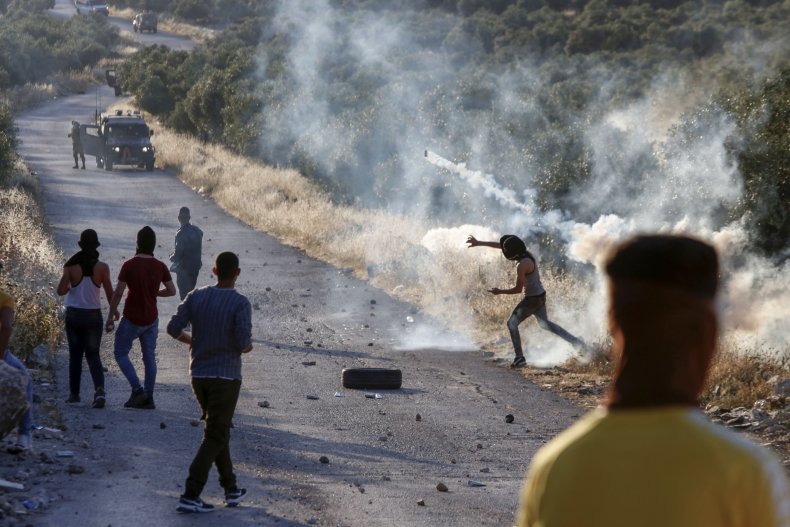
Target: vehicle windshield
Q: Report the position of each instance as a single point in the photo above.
(128, 130)
(148, 17)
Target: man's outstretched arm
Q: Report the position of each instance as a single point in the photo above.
(474, 242)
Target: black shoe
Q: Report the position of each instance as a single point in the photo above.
(233, 497)
(519, 362)
(75, 166)
(137, 398)
(193, 505)
(148, 404)
(98, 399)
(73, 398)
(83, 167)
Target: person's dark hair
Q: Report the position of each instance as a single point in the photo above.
(146, 240)
(88, 240)
(227, 264)
(514, 248)
(674, 261)
(665, 323)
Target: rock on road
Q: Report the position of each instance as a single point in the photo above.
(382, 460)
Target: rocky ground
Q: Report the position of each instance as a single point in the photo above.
(42, 471)
(767, 422)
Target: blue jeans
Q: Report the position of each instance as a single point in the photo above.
(83, 331)
(26, 423)
(125, 336)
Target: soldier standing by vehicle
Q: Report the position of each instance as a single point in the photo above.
(186, 255)
(76, 144)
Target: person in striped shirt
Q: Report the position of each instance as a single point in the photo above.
(221, 322)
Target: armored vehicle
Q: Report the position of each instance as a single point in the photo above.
(145, 22)
(119, 139)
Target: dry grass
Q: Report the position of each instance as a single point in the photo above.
(31, 262)
(23, 97)
(447, 283)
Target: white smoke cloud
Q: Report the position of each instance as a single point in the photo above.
(644, 179)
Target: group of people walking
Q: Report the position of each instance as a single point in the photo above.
(215, 321)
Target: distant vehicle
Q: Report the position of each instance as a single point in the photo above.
(145, 22)
(91, 6)
(119, 139)
(114, 81)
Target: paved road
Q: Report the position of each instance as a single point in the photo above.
(382, 460)
(65, 9)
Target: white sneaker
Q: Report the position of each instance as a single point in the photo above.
(24, 443)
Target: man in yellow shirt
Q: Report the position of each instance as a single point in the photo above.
(24, 438)
(649, 457)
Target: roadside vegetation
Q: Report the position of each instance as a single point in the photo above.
(41, 57)
(30, 257)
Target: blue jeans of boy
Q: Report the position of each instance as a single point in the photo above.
(26, 423)
(125, 336)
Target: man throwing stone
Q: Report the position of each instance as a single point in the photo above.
(528, 282)
(221, 319)
(186, 256)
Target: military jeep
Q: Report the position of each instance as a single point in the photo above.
(119, 139)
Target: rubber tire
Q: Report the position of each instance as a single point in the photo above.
(149, 166)
(372, 378)
(107, 165)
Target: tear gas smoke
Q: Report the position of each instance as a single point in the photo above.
(646, 177)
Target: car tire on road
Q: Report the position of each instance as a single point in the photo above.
(372, 378)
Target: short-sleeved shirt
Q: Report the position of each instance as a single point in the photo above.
(143, 277)
(6, 300)
(654, 467)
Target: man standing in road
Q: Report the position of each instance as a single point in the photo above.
(534, 301)
(221, 319)
(186, 256)
(76, 144)
(143, 274)
(650, 457)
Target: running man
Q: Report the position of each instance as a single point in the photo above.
(222, 322)
(528, 282)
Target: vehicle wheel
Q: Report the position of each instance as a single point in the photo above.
(108, 165)
(372, 378)
(154, 30)
(135, 29)
(149, 166)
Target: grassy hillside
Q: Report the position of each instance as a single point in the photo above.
(351, 92)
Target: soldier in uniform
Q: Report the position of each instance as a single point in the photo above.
(76, 144)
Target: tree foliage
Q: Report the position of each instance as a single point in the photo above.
(565, 63)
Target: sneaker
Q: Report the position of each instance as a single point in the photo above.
(98, 399)
(24, 443)
(73, 398)
(193, 505)
(519, 362)
(148, 404)
(233, 497)
(137, 398)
